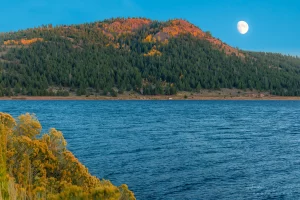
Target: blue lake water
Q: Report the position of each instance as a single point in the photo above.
(182, 149)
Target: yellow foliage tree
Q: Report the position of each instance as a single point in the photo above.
(38, 168)
(28, 126)
(6, 125)
(153, 52)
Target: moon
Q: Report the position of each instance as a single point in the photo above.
(242, 27)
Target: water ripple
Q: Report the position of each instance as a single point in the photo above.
(182, 149)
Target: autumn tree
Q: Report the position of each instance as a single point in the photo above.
(6, 125)
(36, 168)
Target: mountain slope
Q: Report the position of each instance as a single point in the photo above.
(145, 56)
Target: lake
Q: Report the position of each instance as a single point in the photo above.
(182, 149)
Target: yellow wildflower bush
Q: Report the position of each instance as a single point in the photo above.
(37, 168)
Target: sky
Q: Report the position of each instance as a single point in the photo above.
(274, 25)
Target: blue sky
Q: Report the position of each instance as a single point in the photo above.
(274, 24)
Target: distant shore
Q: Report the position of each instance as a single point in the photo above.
(222, 94)
(154, 97)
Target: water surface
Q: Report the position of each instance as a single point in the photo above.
(182, 149)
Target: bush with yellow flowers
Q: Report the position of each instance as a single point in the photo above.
(35, 167)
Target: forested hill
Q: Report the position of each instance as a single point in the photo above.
(136, 54)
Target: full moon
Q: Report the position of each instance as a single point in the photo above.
(242, 27)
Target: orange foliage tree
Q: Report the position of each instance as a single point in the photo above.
(23, 41)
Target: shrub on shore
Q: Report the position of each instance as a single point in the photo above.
(39, 167)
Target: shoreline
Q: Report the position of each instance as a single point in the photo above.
(157, 97)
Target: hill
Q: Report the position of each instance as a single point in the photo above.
(136, 54)
(34, 166)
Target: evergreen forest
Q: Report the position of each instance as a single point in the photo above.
(148, 57)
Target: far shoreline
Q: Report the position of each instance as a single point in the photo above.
(154, 97)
